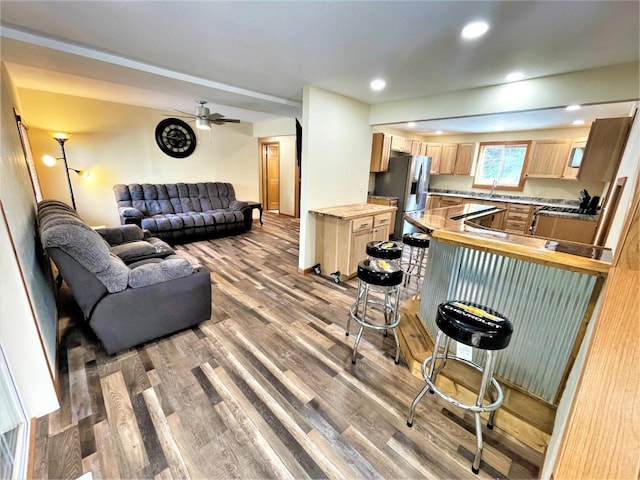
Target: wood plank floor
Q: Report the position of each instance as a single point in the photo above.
(265, 389)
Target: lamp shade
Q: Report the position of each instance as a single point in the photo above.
(49, 161)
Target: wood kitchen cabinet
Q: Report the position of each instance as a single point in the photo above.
(401, 144)
(433, 201)
(342, 234)
(380, 152)
(607, 138)
(450, 201)
(434, 150)
(389, 202)
(464, 158)
(548, 158)
(448, 154)
(517, 218)
(563, 228)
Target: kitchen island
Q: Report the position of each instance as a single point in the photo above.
(548, 289)
(342, 234)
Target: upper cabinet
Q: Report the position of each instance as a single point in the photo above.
(434, 150)
(464, 158)
(602, 153)
(380, 151)
(401, 144)
(548, 158)
(448, 158)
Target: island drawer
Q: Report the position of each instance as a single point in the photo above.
(382, 219)
(363, 223)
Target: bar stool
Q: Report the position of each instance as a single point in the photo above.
(478, 327)
(384, 250)
(414, 264)
(386, 277)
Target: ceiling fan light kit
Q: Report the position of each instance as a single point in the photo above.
(203, 124)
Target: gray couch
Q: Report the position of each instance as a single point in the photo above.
(180, 212)
(130, 291)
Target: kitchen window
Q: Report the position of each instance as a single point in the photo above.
(501, 165)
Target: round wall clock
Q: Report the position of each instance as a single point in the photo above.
(175, 138)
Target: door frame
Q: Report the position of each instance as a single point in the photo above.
(263, 171)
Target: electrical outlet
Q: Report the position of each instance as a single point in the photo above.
(540, 191)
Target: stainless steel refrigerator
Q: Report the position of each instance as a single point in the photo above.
(407, 179)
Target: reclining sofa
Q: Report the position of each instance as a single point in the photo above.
(131, 287)
(181, 212)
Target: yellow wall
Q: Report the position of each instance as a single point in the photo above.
(116, 143)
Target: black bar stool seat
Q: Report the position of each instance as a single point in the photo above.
(478, 327)
(387, 275)
(384, 250)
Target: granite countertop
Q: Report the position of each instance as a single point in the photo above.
(575, 216)
(541, 201)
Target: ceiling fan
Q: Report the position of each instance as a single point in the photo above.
(204, 118)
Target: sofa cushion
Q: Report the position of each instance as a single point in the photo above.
(133, 251)
(156, 271)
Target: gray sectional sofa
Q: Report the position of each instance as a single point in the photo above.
(180, 212)
(131, 287)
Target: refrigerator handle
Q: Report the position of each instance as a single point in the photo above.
(419, 184)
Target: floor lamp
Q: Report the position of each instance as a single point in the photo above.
(50, 161)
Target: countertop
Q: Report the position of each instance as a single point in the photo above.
(356, 210)
(456, 225)
(535, 201)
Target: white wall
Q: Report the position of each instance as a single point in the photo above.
(20, 330)
(599, 85)
(336, 154)
(275, 128)
(116, 143)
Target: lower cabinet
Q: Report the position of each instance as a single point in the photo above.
(341, 243)
(562, 228)
(518, 218)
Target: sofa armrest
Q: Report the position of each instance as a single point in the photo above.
(157, 271)
(130, 215)
(237, 205)
(121, 234)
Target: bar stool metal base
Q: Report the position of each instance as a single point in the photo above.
(496, 396)
(389, 285)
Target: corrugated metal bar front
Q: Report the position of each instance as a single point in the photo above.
(545, 304)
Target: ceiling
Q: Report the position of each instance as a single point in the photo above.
(250, 60)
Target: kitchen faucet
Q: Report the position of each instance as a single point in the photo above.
(494, 184)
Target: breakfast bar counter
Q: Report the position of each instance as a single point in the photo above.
(548, 289)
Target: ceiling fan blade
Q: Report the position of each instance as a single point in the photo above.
(186, 113)
(214, 116)
(222, 121)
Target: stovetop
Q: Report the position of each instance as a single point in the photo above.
(581, 211)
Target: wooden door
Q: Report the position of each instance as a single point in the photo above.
(272, 175)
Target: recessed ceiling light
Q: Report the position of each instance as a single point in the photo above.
(474, 30)
(377, 84)
(573, 107)
(514, 76)
(578, 122)
(438, 132)
(499, 129)
(411, 124)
